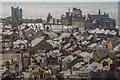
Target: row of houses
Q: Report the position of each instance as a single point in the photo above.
(38, 51)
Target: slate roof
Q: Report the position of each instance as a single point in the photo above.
(67, 72)
(117, 48)
(64, 35)
(101, 51)
(12, 69)
(93, 17)
(66, 46)
(36, 74)
(36, 41)
(8, 78)
(73, 61)
(91, 66)
(51, 43)
(67, 58)
(85, 54)
(78, 65)
(51, 34)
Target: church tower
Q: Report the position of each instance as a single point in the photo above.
(16, 15)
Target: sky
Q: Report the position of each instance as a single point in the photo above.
(59, 0)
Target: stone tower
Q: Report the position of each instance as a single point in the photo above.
(16, 15)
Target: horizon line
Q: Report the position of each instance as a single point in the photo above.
(58, 1)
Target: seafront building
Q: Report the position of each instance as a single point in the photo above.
(75, 46)
(75, 18)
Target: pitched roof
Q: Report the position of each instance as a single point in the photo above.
(64, 35)
(66, 46)
(84, 54)
(94, 66)
(37, 70)
(36, 41)
(78, 65)
(36, 74)
(67, 58)
(51, 34)
(8, 78)
(101, 51)
(10, 56)
(92, 45)
(38, 34)
(77, 52)
(117, 48)
(93, 17)
(110, 46)
(51, 43)
(89, 37)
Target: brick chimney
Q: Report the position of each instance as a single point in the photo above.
(12, 60)
(60, 65)
(105, 64)
(92, 60)
(86, 62)
(71, 42)
(112, 67)
(77, 45)
(75, 55)
(53, 21)
(66, 40)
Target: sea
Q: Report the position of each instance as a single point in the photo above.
(33, 10)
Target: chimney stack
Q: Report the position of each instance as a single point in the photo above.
(71, 42)
(112, 67)
(53, 21)
(60, 65)
(77, 45)
(99, 12)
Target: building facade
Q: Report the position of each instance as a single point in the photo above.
(75, 18)
(101, 21)
(16, 13)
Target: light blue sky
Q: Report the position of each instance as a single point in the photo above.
(59, 0)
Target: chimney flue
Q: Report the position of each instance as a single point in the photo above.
(99, 12)
(71, 42)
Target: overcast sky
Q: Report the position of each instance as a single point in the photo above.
(59, 0)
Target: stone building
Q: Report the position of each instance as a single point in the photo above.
(101, 21)
(49, 17)
(67, 19)
(39, 45)
(77, 18)
(74, 18)
(16, 13)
